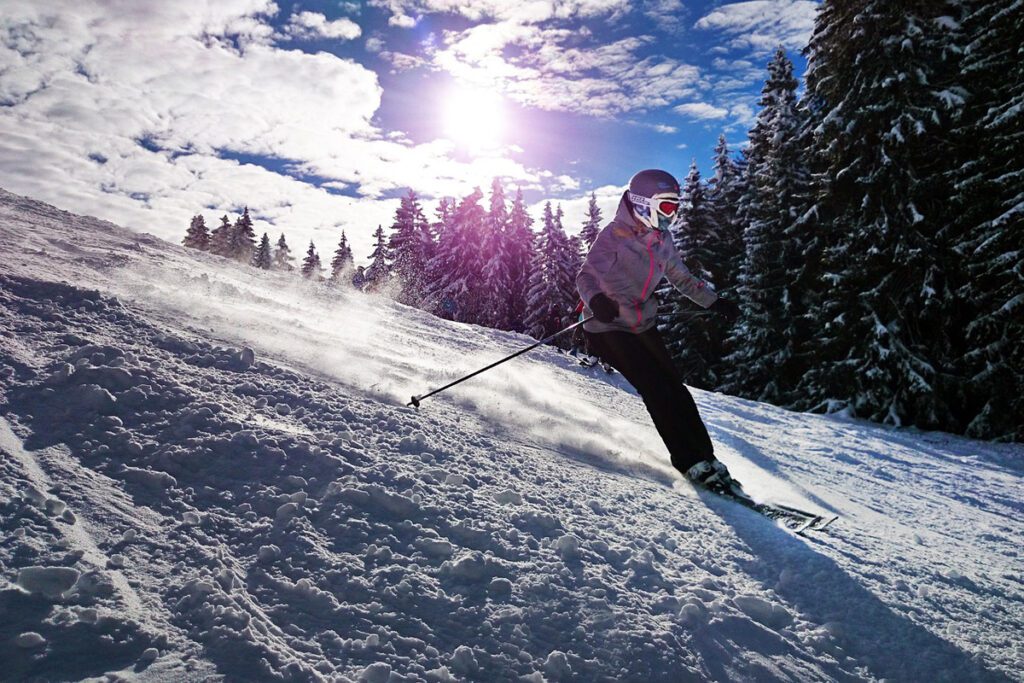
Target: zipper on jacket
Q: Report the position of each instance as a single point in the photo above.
(647, 284)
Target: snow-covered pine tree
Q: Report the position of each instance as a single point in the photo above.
(243, 238)
(592, 225)
(577, 252)
(496, 276)
(879, 68)
(989, 216)
(197, 236)
(694, 339)
(761, 361)
(262, 258)
(410, 246)
(341, 264)
(283, 255)
(434, 271)
(725, 253)
(549, 308)
(569, 262)
(379, 270)
(220, 238)
(457, 266)
(519, 247)
(311, 267)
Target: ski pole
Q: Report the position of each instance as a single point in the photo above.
(415, 402)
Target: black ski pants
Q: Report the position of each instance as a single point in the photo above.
(645, 362)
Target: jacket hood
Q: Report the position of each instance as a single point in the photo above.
(624, 215)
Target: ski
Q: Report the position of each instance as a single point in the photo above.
(797, 520)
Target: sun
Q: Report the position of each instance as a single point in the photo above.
(474, 119)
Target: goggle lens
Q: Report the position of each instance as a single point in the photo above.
(668, 208)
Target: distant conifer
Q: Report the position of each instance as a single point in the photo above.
(220, 238)
(592, 225)
(283, 255)
(261, 258)
(311, 268)
(243, 238)
(342, 261)
(377, 274)
(198, 236)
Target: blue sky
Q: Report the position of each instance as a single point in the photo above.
(318, 115)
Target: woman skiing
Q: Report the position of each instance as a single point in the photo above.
(617, 281)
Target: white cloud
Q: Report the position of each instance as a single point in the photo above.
(562, 70)
(158, 192)
(744, 114)
(201, 81)
(763, 25)
(701, 111)
(311, 25)
(402, 21)
(523, 11)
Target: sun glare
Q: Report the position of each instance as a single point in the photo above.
(474, 119)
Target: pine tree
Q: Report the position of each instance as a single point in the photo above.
(376, 275)
(762, 361)
(410, 246)
(197, 236)
(242, 240)
(883, 345)
(549, 304)
(311, 267)
(519, 247)
(592, 226)
(220, 238)
(569, 262)
(988, 217)
(343, 260)
(261, 258)
(724, 189)
(496, 274)
(457, 267)
(283, 255)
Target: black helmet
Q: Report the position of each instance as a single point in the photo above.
(654, 197)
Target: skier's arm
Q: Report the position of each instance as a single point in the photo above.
(599, 262)
(690, 285)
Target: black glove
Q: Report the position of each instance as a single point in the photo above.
(604, 307)
(725, 307)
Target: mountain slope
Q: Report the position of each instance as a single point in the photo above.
(210, 471)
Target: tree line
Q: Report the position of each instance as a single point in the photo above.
(486, 266)
(237, 241)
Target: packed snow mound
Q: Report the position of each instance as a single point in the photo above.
(210, 472)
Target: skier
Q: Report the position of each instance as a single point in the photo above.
(628, 260)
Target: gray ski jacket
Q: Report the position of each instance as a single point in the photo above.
(627, 262)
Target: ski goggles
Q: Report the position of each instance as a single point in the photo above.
(665, 203)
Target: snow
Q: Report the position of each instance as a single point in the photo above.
(211, 473)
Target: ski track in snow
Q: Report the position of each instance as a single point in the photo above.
(210, 473)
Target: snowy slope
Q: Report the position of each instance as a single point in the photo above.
(210, 472)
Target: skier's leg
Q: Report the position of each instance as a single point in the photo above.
(695, 442)
(645, 363)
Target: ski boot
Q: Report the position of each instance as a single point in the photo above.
(713, 475)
